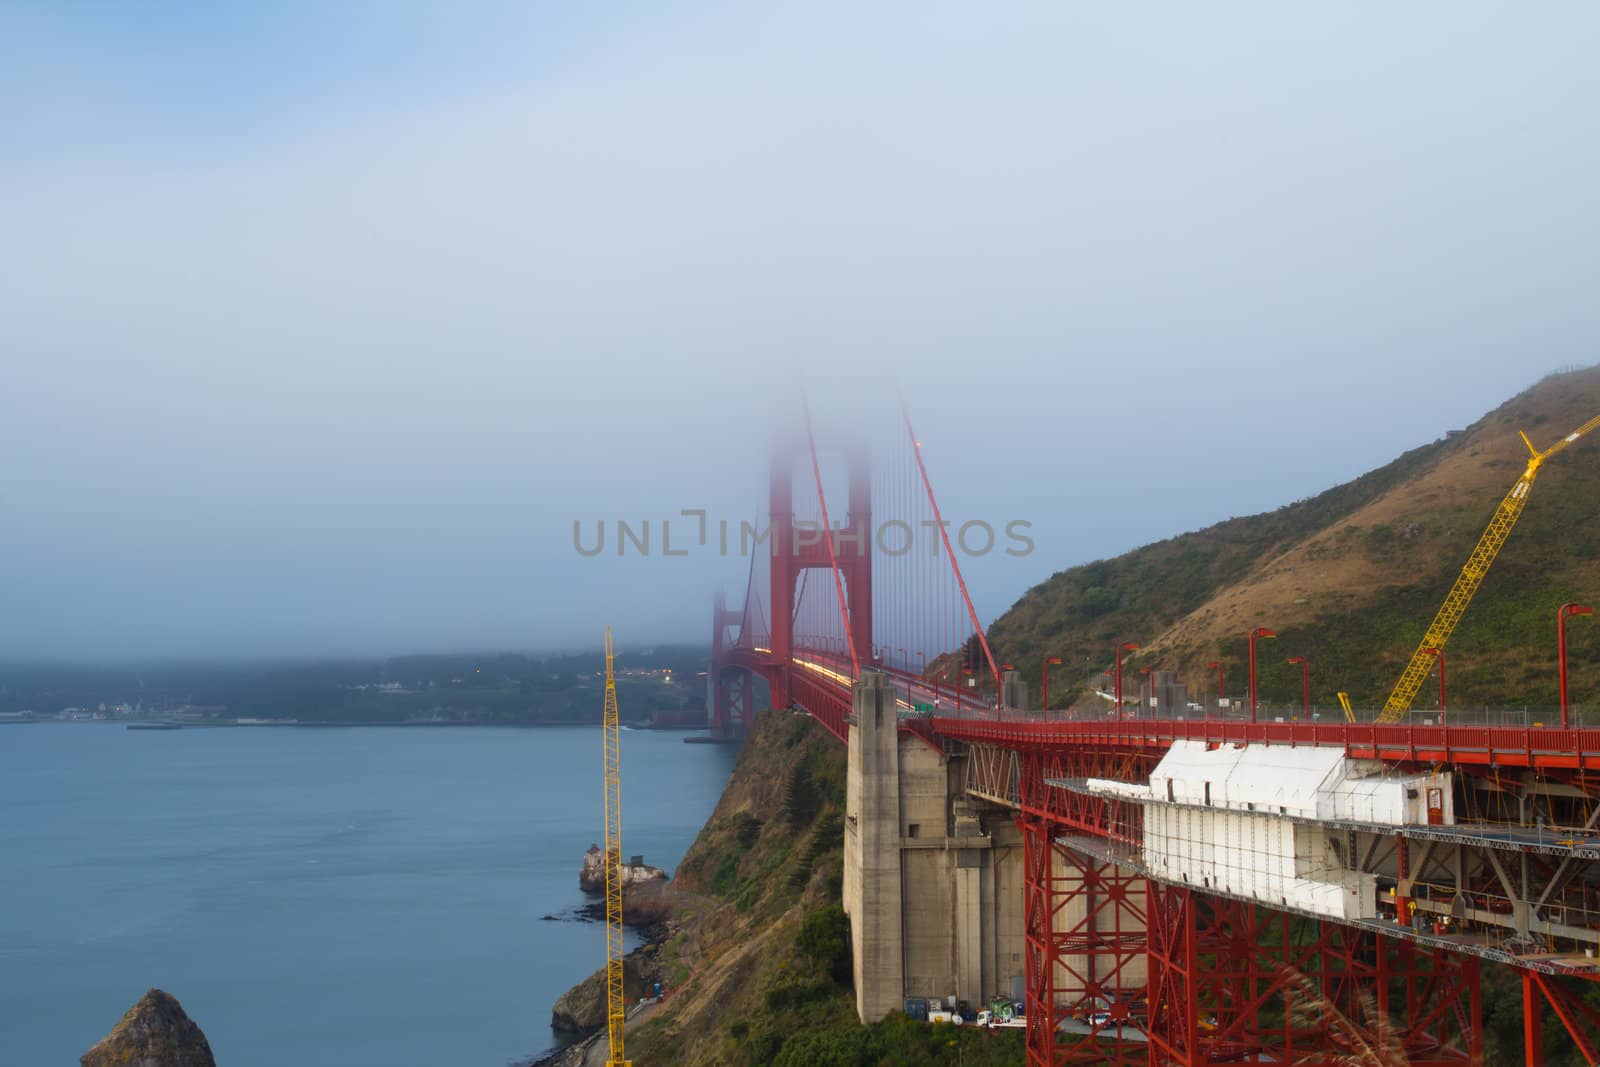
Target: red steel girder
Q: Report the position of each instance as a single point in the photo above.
(1581, 1022)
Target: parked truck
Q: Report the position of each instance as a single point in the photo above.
(1002, 1013)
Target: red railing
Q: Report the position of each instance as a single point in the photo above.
(1500, 745)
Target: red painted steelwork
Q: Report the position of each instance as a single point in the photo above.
(1566, 612)
(1580, 1020)
(1084, 930)
(1504, 746)
(826, 703)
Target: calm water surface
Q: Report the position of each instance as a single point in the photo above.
(316, 896)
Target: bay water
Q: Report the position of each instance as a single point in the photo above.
(337, 896)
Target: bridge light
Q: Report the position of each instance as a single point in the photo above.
(1044, 697)
(1305, 683)
(1256, 634)
(1566, 612)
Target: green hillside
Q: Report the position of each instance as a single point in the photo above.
(1351, 577)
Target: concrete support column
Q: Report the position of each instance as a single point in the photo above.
(969, 923)
(872, 849)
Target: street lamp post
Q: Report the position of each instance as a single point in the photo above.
(1305, 684)
(1256, 634)
(1126, 646)
(1044, 694)
(1565, 613)
(1438, 654)
(1218, 668)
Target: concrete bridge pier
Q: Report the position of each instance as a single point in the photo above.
(932, 879)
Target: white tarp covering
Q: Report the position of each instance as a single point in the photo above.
(1241, 843)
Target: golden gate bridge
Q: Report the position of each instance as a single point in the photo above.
(1124, 963)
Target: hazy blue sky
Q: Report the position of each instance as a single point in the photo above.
(321, 323)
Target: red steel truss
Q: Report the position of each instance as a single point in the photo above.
(1235, 982)
(1085, 928)
(1582, 1022)
(1207, 979)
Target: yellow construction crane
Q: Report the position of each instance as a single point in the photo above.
(1478, 564)
(616, 1001)
(1344, 702)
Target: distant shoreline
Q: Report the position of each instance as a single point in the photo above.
(325, 724)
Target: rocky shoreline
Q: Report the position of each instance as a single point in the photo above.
(647, 908)
(581, 1010)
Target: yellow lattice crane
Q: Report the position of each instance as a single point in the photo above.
(616, 1001)
(1478, 564)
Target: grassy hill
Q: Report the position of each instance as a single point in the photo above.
(1351, 577)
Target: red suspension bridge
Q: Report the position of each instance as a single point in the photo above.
(1127, 963)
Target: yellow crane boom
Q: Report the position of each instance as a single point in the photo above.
(616, 1001)
(1471, 576)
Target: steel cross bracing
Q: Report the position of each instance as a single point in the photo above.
(1224, 979)
(1494, 879)
(1089, 963)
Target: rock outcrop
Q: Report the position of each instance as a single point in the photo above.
(582, 1009)
(154, 1033)
(592, 877)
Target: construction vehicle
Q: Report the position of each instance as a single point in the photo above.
(1471, 576)
(1002, 1013)
(1344, 702)
(616, 1001)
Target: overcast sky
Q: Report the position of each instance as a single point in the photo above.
(320, 324)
